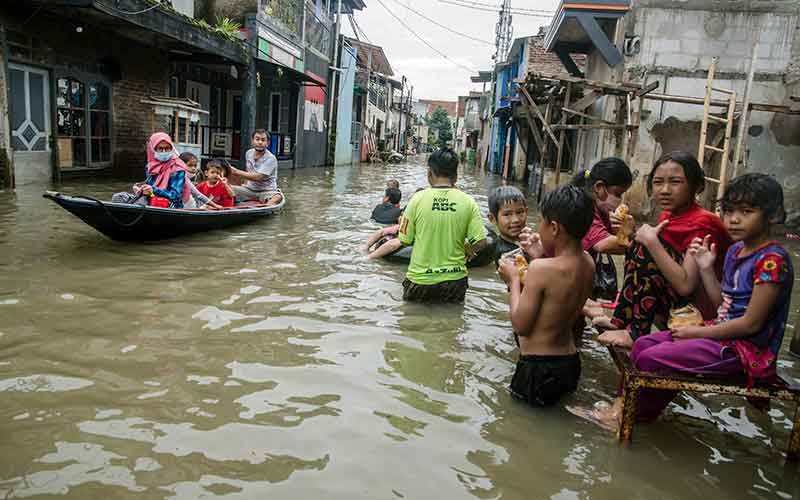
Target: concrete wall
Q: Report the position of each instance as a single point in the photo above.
(344, 122)
(677, 42)
(676, 49)
(6, 167)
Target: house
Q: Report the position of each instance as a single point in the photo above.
(509, 142)
(81, 75)
(73, 75)
(293, 43)
(468, 127)
(671, 43)
(371, 102)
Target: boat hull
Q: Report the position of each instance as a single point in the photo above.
(124, 222)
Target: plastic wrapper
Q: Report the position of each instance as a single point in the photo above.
(623, 234)
(685, 316)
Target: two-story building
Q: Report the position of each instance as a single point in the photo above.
(73, 75)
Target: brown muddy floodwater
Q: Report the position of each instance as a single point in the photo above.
(272, 361)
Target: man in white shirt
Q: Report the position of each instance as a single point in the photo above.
(261, 173)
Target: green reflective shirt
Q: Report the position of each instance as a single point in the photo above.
(437, 221)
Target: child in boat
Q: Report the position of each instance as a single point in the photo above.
(393, 183)
(545, 306)
(508, 211)
(752, 300)
(388, 212)
(216, 185)
(198, 199)
(438, 221)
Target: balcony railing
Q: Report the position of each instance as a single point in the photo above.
(286, 13)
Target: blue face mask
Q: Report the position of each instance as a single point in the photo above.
(163, 155)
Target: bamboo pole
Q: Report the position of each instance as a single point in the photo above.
(563, 133)
(701, 149)
(744, 118)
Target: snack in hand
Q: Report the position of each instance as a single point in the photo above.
(623, 234)
(685, 316)
(520, 262)
(521, 265)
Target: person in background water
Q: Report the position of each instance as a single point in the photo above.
(508, 211)
(216, 185)
(388, 212)
(166, 173)
(437, 222)
(261, 173)
(753, 302)
(549, 299)
(660, 274)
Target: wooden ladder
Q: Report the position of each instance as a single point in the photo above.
(728, 121)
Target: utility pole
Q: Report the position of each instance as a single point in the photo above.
(504, 33)
(333, 73)
(400, 119)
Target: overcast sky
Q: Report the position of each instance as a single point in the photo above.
(432, 76)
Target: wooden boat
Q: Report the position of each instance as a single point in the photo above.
(121, 221)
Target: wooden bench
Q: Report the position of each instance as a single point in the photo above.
(784, 389)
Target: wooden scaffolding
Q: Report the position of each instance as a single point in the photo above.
(555, 110)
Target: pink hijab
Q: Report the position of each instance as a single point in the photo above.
(164, 169)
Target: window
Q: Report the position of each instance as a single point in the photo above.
(71, 120)
(99, 122)
(83, 143)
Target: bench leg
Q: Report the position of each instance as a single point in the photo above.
(793, 452)
(630, 390)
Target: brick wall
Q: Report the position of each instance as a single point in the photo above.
(136, 71)
(140, 79)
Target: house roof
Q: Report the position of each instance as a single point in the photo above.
(349, 6)
(482, 77)
(380, 63)
(450, 106)
(582, 27)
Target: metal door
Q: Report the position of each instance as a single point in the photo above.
(29, 110)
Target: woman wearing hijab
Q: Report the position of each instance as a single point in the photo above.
(166, 173)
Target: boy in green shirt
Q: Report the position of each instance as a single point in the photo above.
(444, 225)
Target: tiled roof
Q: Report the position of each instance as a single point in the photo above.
(450, 106)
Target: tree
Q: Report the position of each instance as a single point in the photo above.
(439, 123)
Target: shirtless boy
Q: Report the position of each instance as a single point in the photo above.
(547, 303)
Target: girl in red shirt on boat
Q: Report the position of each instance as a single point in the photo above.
(216, 185)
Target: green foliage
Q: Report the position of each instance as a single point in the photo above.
(226, 27)
(286, 12)
(439, 123)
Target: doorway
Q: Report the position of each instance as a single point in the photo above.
(29, 116)
(200, 93)
(274, 112)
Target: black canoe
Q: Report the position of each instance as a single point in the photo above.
(121, 221)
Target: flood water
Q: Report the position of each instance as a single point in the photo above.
(272, 360)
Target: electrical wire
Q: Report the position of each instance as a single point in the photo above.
(423, 16)
(363, 33)
(406, 26)
(487, 8)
